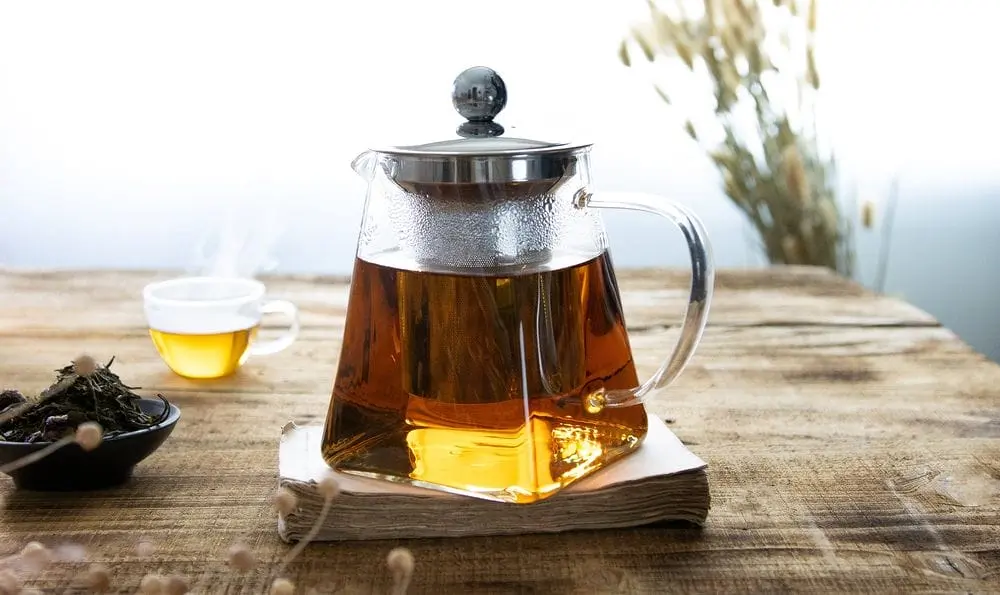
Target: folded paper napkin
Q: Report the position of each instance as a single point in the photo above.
(661, 481)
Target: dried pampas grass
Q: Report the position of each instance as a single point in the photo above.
(757, 59)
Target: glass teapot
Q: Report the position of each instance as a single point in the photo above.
(485, 351)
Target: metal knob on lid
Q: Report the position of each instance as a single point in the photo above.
(481, 155)
(479, 95)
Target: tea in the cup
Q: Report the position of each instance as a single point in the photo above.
(204, 355)
(205, 327)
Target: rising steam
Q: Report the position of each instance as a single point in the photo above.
(242, 246)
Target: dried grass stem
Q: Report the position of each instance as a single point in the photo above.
(776, 175)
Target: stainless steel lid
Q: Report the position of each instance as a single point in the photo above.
(482, 155)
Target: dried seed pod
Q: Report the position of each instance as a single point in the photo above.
(792, 249)
(868, 214)
(176, 585)
(97, 578)
(35, 557)
(644, 45)
(812, 74)
(9, 583)
(328, 487)
(84, 365)
(689, 128)
(623, 54)
(401, 564)
(70, 552)
(152, 584)
(795, 176)
(282, 586)
(89, 435)
(285, 501)
(241, 557)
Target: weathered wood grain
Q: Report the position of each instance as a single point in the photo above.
(852, 445)
(754, 357)
(92, 304)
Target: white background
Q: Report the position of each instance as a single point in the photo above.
(143, 134)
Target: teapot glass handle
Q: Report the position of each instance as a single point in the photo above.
(702, 285)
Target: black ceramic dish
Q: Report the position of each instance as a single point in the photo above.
(71, 468)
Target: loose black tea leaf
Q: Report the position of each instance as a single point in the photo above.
(72, 399)
(10, 398)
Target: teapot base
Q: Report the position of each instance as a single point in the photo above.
(521, 465)
(489, 385)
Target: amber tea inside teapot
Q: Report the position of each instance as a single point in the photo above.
(485, 350)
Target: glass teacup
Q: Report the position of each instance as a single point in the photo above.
(206, 327)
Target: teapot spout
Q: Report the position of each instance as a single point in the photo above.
(364, 164)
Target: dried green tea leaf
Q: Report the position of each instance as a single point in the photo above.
(73, 399)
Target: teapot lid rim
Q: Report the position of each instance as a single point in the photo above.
(502, 148)
(481, 153)
(500, 167)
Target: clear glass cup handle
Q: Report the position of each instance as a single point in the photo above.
(702, 285)
(288, 337)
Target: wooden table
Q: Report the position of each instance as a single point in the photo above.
(852, 445)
